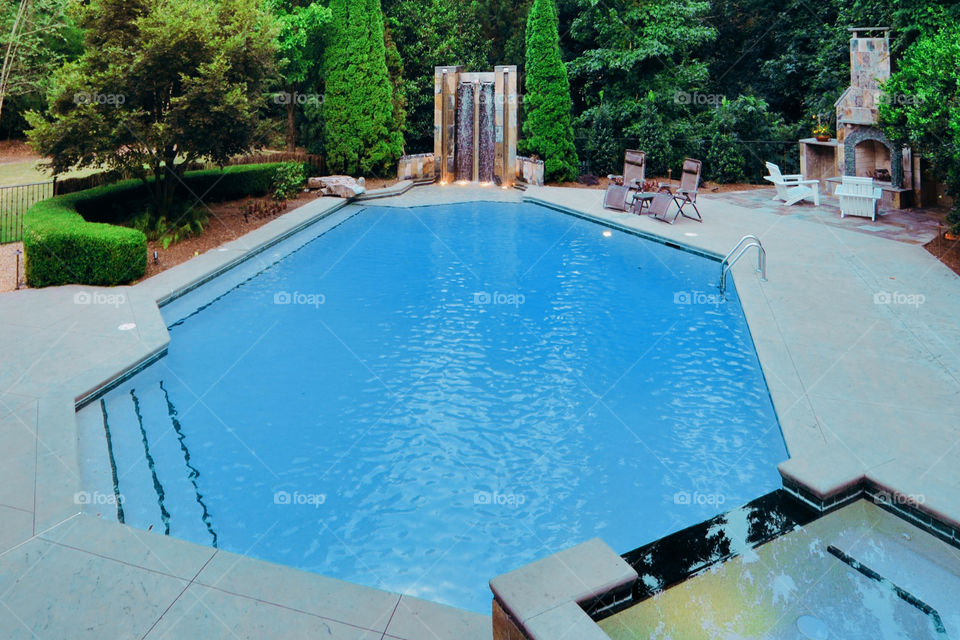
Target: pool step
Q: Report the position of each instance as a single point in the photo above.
(134, 480)
(159, 488)
(907, 559)
(169, 448)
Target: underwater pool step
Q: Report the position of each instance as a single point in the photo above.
(159, 489)
(188, 515)
(135, 486)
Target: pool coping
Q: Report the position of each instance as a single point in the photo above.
(55, 401)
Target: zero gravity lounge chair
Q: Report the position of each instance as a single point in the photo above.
(660, 207)
(620, 197)
(686, 193)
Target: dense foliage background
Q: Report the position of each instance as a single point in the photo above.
(733, 82)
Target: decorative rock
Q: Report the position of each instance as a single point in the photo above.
(342, 186)
(530, 170)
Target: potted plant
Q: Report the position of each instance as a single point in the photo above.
(821, 131)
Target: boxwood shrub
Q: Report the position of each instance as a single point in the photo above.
(75, 238)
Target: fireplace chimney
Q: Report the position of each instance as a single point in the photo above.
(869, 64)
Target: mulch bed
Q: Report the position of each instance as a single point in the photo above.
(947, 251)
(226, 223)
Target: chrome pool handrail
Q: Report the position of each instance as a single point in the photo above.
(726, 264)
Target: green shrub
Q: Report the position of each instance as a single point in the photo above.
(724, 162)
(76, 238)
(63, 248)
(288, 179)
(602, 148)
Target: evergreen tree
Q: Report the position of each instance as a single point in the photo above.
(359, 114)
(547, 130)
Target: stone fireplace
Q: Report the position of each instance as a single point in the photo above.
(861, 149)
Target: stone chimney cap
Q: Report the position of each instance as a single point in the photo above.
(856, 29)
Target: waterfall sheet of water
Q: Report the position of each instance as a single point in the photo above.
(465, 126)
(485, 151)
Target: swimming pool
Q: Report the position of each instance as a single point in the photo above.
(420, 399)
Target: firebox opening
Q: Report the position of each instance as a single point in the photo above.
(872, 160)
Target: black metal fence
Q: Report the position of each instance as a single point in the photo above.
(14, 202)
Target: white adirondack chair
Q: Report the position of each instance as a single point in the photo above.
(858, 197)
(792, 188)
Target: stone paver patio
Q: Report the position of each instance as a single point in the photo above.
(856, 334)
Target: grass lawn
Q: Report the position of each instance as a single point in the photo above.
(13, 202)
(26, 172)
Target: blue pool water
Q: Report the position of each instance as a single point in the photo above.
(420, 399)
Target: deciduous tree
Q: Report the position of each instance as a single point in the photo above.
(921, 106)
(300, 49)
(160, 85)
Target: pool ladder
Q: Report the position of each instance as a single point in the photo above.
(745, 243)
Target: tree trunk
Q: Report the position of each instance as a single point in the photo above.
(291, 121)
(10, 55)
(157, 190)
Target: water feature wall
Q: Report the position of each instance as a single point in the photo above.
(466, 131)
(485, 134)
(475, 125)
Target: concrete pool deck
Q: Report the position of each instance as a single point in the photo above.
(866, 388)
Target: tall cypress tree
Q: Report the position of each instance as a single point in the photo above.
(358, 101)
(547, 130)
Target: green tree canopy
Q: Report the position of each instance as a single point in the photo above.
(36, 37)
(300, 50)
(634, 60)
(921, 106)
(359, 119)
(547, 130)
(431, 33)
(160, 85)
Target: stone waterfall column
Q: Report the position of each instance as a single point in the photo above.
(505, 123)
(445, 80)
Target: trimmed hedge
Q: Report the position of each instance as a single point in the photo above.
(69, 239)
